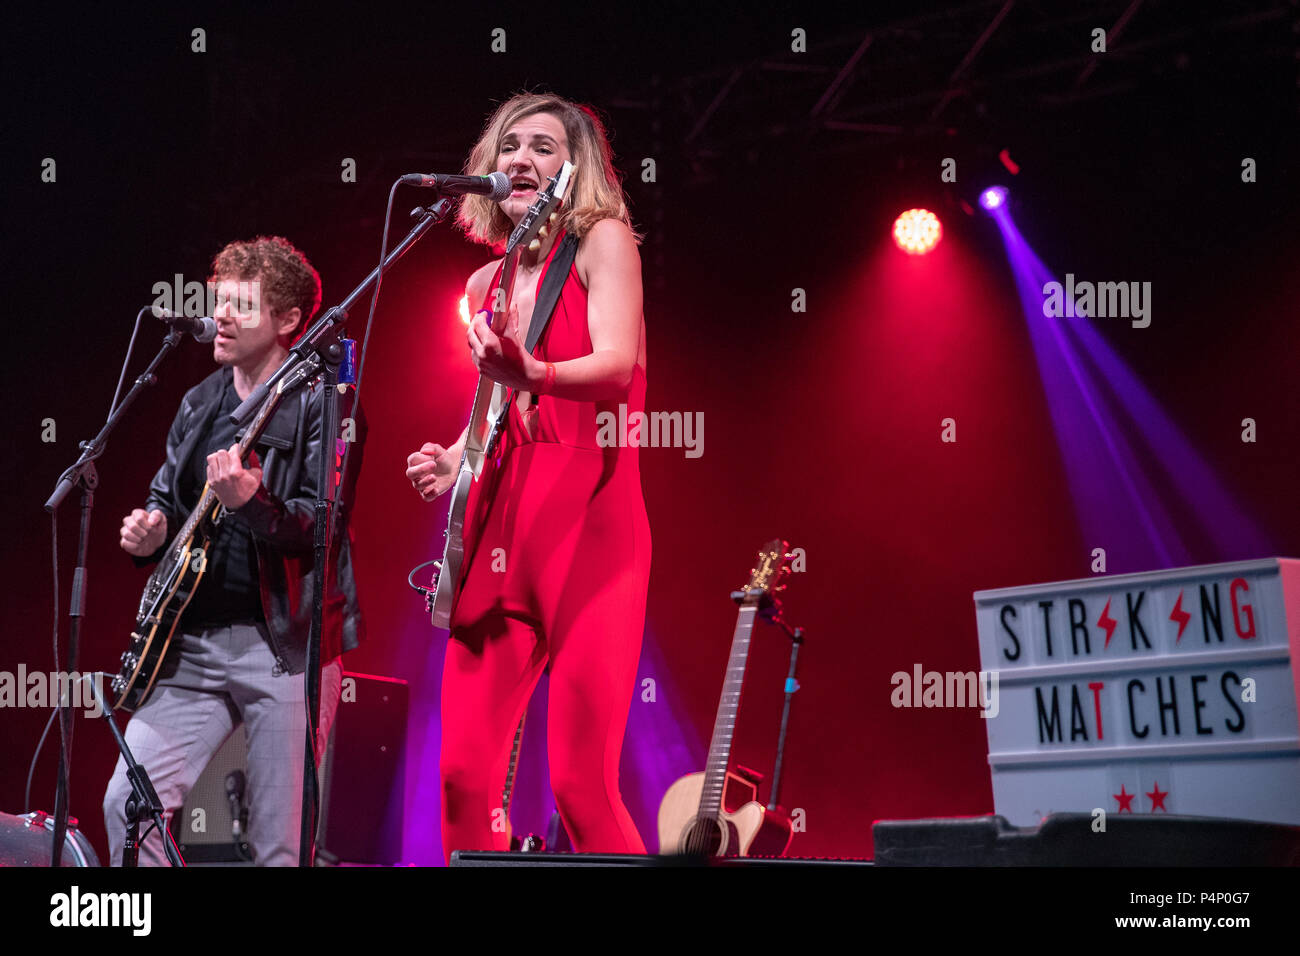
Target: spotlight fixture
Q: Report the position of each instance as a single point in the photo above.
(993, 197)
(917, 231)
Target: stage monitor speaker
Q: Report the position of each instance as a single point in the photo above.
(362, 784)
(364, 773)
(501, 858)
(1072, 839)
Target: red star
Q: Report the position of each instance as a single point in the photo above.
(1125, 799)
(1157, 798)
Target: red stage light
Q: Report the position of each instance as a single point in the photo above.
(917, 231)
(464, 309)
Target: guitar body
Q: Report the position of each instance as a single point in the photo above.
(166, 595)
(750, 829)
(693, 815)
(453, 555)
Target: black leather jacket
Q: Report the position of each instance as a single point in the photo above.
(281, 516)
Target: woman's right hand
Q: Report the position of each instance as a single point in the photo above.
(432, 469)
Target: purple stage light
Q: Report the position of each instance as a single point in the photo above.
(993, 197)
(1105, 419)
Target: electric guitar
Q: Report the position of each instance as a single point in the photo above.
(174, 582)
(692, 818)
(489, 409)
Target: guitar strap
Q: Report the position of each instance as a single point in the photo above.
(549, 294)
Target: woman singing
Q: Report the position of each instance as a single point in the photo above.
(557, 544)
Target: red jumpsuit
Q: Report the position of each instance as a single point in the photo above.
(557, 564)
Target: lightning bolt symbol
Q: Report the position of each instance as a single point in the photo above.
(1179, 615)
(1107, 622)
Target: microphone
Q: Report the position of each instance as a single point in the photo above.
(495, 185)
(235, 794)
(203, 329)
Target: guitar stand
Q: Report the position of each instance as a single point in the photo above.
(771, 611)
(791, 685)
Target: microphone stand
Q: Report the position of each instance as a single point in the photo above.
(322, 341)
(83, 474)
(144, 799)
(796, 636)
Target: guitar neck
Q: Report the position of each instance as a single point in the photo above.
(488, 395)
(715, 773)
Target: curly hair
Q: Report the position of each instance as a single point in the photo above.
(595, 193)
(287, 278)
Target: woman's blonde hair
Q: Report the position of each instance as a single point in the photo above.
(595, 191)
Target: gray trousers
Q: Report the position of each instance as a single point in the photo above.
(221, 678)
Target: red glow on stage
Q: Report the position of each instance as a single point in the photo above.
(917, 231)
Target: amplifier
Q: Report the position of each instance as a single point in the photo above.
(362, 784)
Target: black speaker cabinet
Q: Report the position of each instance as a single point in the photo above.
(362, 784)
(1069, 839)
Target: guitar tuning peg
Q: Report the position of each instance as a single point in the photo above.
(542, 232)
(534, 246)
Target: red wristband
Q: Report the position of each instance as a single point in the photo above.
(550, 380)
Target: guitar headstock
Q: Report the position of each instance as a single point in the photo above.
(767, 574)
(543, 213)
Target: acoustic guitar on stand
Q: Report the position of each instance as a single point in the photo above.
(692, 816)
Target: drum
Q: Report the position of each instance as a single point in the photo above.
(27, 840)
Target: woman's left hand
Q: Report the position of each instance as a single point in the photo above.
(503, 358)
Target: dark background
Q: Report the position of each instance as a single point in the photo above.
(774, 172)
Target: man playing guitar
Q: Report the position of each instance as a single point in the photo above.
(238, 651)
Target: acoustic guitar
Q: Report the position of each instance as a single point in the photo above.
(692, 816)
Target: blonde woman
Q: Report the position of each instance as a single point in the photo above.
(557, 541)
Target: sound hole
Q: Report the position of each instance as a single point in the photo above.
(705, 837)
